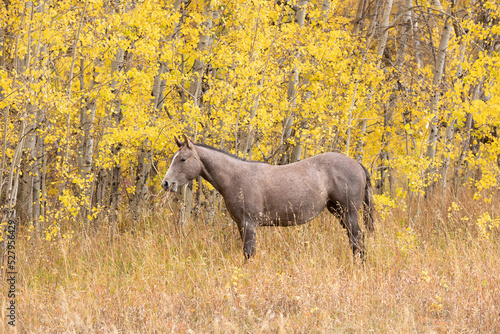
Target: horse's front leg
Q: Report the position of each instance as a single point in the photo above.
(247, 230)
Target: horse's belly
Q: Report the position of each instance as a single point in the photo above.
(289, 215)
(292, 200)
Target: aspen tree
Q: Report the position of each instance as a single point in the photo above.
(381, 48)
(436, 92)
(296, 152)
(288, 121)
(404, 35)
(38, 156)
(114, 172)
(451, 120)
(86, 147)
(359, 18)
(294, 155)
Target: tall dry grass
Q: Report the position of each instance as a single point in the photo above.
(443, 276)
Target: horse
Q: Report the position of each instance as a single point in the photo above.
(259, 194)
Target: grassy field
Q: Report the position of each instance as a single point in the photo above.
(442, 276)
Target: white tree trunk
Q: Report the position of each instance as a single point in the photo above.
(358, 20)
(384, 29)
(195, 89)
(300, 15)
(438, 74)
(116, 65)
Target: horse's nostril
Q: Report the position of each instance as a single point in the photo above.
(164, 185)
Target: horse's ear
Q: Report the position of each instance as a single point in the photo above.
(188, 141)
(178, 142)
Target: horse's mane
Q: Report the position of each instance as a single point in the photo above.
(227, 153)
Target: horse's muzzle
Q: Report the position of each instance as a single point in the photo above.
(169, 186)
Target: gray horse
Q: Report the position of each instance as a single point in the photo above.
(259, 194)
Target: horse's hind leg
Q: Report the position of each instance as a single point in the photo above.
(356, 237)
(349, 220)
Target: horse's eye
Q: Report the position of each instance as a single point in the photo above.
(183, 159)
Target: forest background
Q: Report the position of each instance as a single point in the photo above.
(92, 93)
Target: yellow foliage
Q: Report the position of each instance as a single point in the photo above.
(123, 77)
(486, 224)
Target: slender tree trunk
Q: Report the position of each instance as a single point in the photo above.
(383, 168)
(359, 19)
(295, 153)
(451, 121)
(288, 121)
(195, 88)
(86, 146)
(416, 43)
(115, 171)
(438, 74)
(24, 203)
(384, 29)
(374, 17)
(39, 169)
(300, 15)
(404, 35)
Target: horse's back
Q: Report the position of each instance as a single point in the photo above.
(321, 169)
(331, 165)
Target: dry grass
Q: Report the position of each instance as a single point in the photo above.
(443, 277)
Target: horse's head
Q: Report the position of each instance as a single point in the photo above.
(185, 166)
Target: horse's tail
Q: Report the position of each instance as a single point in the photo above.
(368, 205)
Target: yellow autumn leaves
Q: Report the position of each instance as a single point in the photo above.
(119, 76)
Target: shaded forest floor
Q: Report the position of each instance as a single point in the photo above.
(442, 276)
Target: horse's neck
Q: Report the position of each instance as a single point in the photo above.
(218, 168)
